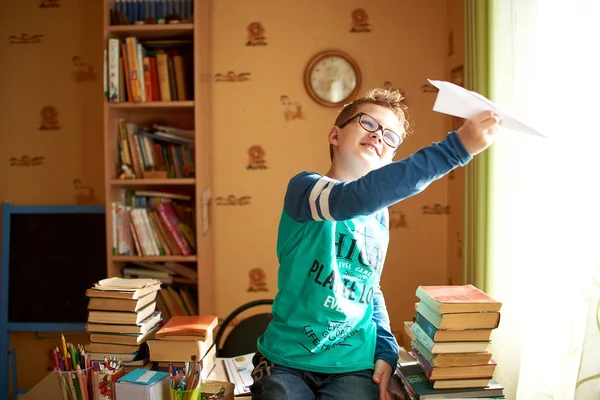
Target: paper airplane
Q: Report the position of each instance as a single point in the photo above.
(460, 102)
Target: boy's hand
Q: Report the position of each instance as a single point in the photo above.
(479, 132)
(381, 376)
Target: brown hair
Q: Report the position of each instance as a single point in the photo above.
(391, 99)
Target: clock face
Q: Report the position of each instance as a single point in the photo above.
(333, 79)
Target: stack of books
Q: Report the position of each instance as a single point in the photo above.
(182, 339)
(451, 336)
(122, 316)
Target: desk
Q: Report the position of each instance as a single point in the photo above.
(48, 389)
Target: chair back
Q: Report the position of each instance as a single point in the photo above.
(242, 337)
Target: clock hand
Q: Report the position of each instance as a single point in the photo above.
(336, 74)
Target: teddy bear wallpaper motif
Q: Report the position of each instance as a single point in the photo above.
(231, 76)
(397, 218)
(49, 119)
(84, 194)
(360, 21)
(256, 158)
(50, 4)
(233, 200)
(436, 209)
(291, 110)
(26, 161)
(83, 71)
(257, 280)
(256, 34)
(25, 39)
(387, 85)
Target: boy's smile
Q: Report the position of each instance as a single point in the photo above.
(366, 141)
(372, 147)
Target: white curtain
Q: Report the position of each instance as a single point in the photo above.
(545, 199)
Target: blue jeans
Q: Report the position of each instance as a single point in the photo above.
(274, 382)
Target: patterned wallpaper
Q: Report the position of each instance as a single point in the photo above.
(51, 118)
(267, 129)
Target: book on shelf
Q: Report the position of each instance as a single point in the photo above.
(451, 336)
(152, 226)
(146, 71)
(169, 267)
(125, 12)
(150, 153)
(177, 302)
(178, 296)
(122, 319)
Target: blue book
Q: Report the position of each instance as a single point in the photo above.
(143, 384)
(142, 376)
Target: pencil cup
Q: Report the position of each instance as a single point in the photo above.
(74, 385)
(185, 394)
(103, 383)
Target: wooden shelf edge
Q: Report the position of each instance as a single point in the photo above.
(155, 258)
(153, 182)
(152, 104)
(151, 28)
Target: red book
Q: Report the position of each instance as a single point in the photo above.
(457, 299)
(187, 327)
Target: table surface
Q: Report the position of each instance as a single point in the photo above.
(48, 388)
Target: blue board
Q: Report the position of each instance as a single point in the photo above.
(50, 256)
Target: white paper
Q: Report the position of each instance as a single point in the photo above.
(460, 102)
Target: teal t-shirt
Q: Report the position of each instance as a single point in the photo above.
(329, 315)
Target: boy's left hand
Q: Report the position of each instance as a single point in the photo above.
(381, 376)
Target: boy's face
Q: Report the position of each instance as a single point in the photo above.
(361, 151)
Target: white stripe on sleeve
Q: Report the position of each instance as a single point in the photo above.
(314, 195)
(324, 202)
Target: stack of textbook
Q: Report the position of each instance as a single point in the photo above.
(451, 342)
(183, 338)
(122, 316)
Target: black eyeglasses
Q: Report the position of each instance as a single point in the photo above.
(369, 123)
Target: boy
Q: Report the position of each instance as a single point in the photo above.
(330, 337)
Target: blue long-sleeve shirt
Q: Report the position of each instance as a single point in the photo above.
(329, 312)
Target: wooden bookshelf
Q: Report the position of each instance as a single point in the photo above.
(121, 259)
(153, 182)
(153, 104)
(193, 114)
(153, 31)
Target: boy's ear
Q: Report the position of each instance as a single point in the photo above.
(334, 136)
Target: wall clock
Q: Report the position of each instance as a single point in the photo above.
(331, 78)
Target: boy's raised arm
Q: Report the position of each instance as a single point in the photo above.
(311, 196)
